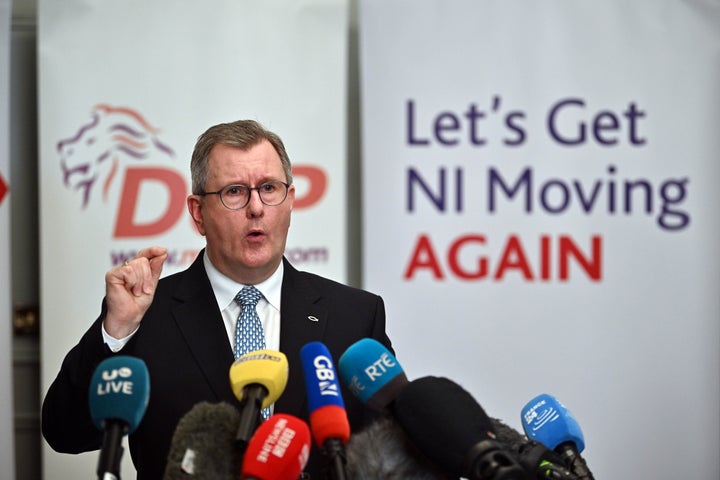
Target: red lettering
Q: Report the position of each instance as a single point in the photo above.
(176, 188)
(453, 254)
(545, 257)
(592, 266)
(317, 180)
(513, 257)
(423, 257)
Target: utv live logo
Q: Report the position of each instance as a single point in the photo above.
(119, 145)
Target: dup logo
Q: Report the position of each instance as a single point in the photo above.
(120, 139)
(116, 140)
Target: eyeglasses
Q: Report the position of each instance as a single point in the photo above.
(235, 197)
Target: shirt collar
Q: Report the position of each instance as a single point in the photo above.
(226, 288)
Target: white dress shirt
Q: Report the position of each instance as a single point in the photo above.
(268, 308)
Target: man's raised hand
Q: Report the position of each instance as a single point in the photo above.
(129, 290)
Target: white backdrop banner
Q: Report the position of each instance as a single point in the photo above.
(7, 425)
(125, 90)
(540, 212)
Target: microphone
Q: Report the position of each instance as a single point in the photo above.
(279, 449)
(328, 419)
(537, 460)
(382, 450)
(118, 397)
(372, 373)
(451, 428)
(203, 445)
(549, 422)
(257, 379)
(542, 463)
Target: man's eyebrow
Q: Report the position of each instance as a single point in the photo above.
(262, 180)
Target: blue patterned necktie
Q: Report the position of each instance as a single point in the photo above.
(249, 335)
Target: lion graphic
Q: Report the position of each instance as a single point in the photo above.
(92, 156)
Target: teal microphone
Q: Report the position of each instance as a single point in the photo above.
(118, 397)
(372, 373)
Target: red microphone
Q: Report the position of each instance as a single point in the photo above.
(278, 450)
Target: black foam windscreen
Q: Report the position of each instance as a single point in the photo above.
(382, 450)
(442, 419)
(510, 438)
(203, 445)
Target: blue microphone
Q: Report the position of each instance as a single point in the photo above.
(549, 422)
(372, 373)
(118, 396)
(328, 418)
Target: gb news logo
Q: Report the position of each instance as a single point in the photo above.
(325, 373)
(118, 149)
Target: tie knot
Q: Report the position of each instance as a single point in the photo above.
(248, 296)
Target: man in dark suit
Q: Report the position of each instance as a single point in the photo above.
(183, 326)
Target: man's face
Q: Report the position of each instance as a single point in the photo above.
(246, 245)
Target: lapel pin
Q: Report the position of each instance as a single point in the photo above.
(313, 319)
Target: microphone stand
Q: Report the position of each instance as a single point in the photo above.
(249, 416)
(335, 450)
(568, 451)
(108, 467)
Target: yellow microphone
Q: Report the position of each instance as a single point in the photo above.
(257, 380)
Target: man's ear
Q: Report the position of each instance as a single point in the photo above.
(195, 208)
(291, 195)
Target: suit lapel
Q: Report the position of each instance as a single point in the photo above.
(198, 318)
(303, 320)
